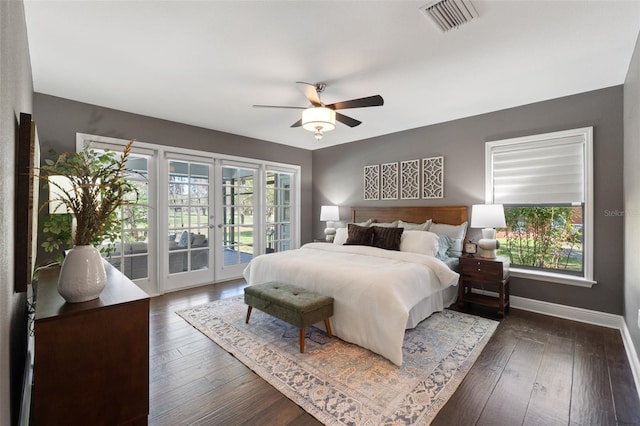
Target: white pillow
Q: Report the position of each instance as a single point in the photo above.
(386, 224)
(414, 226)
(422, 242)
(455, 232)
(341, 236)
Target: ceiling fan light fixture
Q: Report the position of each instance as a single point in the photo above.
(318, 119)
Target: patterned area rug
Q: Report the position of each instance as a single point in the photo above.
(341, 383)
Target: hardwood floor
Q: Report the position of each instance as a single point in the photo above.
(536, 370)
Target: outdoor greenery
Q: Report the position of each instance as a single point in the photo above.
(543, 238)
(99, 187)
(57, 234)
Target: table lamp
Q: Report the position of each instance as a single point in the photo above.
(329, 214)
(488, 217)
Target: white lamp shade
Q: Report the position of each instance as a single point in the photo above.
(318, 119)
(329, 213)
(56, 185)
(487, 216)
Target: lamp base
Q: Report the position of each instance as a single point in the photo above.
(486, 254)
(329, 233)
(487, 247)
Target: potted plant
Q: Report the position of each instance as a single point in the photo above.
(93, 187)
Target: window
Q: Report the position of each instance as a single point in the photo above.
(128, 247)
(133, 259)
(545, 184)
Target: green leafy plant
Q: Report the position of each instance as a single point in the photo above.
(541, 237)
(57, 234)
(99, 186)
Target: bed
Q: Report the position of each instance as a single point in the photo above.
(377, 293)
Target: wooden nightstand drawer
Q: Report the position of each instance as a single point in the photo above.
(492, 269)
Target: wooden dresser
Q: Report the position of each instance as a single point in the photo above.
(91, 363)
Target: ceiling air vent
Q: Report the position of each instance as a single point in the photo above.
(448, 14)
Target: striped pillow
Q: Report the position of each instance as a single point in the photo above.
(387, 238)
(359, 235)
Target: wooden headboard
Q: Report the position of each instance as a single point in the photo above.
(452, 215)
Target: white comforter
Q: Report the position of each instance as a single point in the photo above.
(373, 289)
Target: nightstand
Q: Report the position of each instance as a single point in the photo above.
(484, 282)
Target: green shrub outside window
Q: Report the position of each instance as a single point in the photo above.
(544, 238)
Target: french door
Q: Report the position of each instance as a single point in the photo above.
(201, 216)
(237, 218)
(132, 248)
(188, 259)
(211, 226)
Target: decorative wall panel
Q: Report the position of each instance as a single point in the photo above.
(433, 177)
(389, 181)
(410, 179)
(372, 182)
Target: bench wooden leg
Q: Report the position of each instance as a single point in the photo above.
(328, 327)
(302, 340)
(246, 321)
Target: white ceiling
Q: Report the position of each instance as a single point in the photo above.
(205, 63)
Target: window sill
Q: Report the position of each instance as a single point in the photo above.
(551, 277)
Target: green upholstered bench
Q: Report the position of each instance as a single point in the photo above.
(294, 305)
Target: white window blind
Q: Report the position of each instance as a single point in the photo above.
(542, 171)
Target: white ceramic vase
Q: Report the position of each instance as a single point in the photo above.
(82, 276)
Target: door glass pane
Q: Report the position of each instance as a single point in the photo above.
(189, 213)
(199, 259)
(238, 206)
(130, 252)
(278, 211)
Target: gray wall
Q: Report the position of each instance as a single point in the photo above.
(16, 91)
(337, 177)
(632, 197)
(59, 119)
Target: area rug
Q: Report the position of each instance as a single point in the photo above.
(341, 383)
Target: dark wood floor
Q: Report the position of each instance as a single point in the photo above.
(536, 370)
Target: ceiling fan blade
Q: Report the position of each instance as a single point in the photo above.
(351, 122)
(297, 123)
(369, 101)
(278, 106)
(310, 91)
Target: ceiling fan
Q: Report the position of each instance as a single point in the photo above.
(319, 117)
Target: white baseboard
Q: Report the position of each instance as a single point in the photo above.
(587, 316)
(632, 355)
(568, 312)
